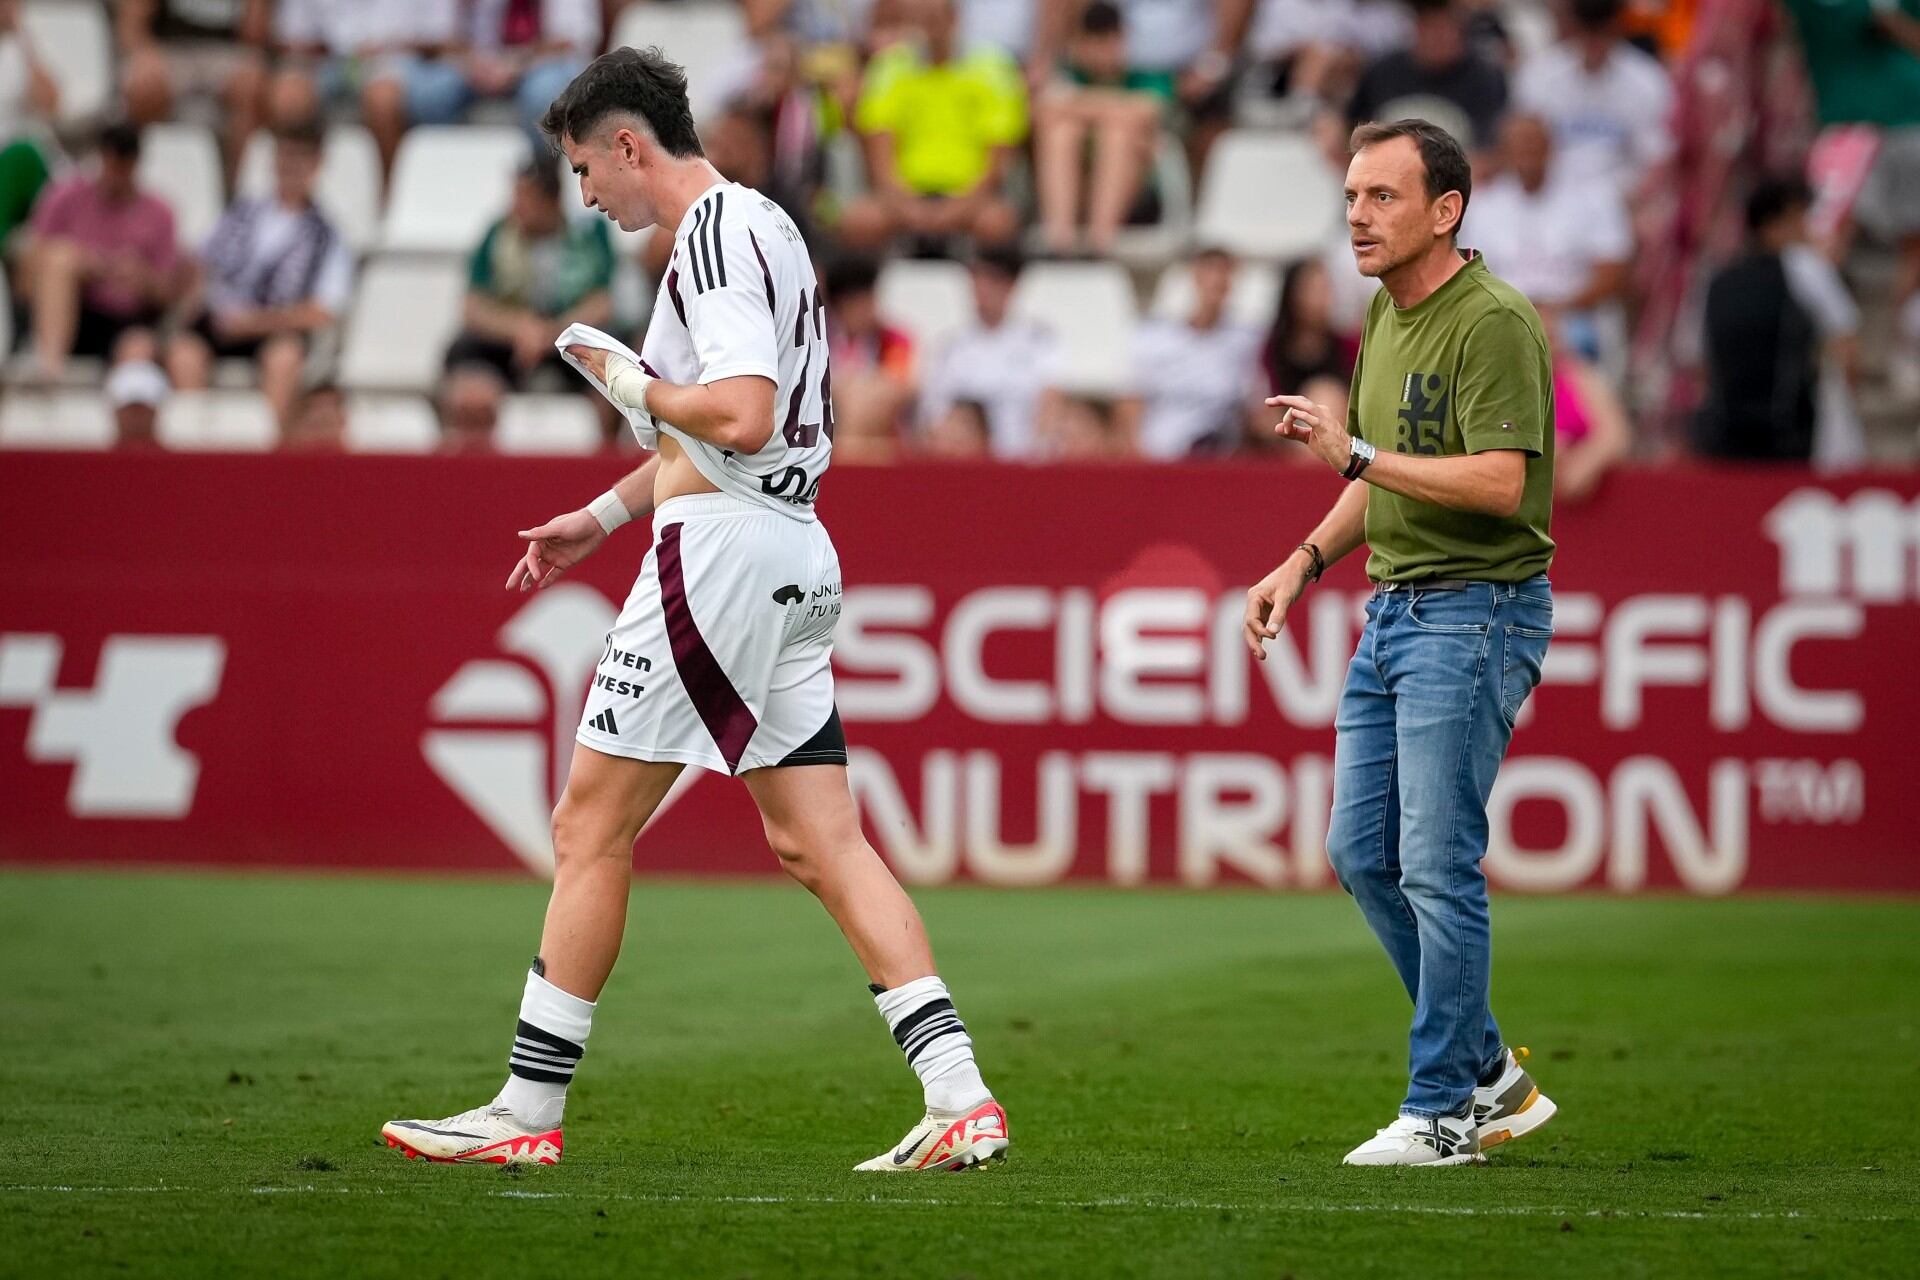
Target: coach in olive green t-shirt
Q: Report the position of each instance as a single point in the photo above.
(1448, 445)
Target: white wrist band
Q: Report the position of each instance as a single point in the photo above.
(609, 510)
(627, 382)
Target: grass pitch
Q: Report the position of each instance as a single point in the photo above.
(196, 1068)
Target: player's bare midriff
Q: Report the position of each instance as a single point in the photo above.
(677, 476)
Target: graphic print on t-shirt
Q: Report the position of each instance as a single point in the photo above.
(1425, 400)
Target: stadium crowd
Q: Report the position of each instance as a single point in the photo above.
(204, 214)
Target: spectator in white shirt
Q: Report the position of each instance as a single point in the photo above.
(525, 51)
(1195, 377)
(1563, 241)
(1004, 365)
(359, 51)
(274, 276)
(1609, 103)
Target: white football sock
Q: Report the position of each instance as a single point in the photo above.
(547, 1046)
(920, 1015)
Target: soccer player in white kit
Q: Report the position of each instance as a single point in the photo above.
(720, 657)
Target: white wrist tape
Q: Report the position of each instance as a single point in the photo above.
(609, 510)
(627, 382)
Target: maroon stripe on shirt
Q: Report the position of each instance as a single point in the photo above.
(765, 274)
(673, 292)
(722, 710)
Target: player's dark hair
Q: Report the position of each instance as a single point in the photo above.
(1441, 153)
(638, 82)
(1775, 198)
(120, 138)
(850, 276)
(1101, 18)
(1596, 15)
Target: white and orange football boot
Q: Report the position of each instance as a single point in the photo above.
(948, 1142)
(485, 1135)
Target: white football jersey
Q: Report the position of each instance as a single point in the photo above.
(739, 297)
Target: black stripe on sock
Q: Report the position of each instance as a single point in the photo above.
(521, 1049)
(538, 1073)
(930, 1033)
(930, 1009)
(534, 1035)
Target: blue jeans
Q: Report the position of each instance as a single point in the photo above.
(438, 92)
(1424, 721)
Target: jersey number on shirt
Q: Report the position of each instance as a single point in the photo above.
(791, 483)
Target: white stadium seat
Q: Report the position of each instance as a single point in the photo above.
(1267, 195)
(180, 163)
(404, 314)
(1089, 307)
(76, 45)
(709, 40)
(930, 299)
(547, 424)
(347, 188)
(450, 182)
(56, 420)
(1254, 298)
(217, 421)
(391, 424)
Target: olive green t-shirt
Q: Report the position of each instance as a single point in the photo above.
(1463, 370)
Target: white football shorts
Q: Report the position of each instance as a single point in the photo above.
(721, 656)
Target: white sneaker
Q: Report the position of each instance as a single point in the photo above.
(1512, 1106)
(1421, 1140)
(949, 1141)
(485, 1135)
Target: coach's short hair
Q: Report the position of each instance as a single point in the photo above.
(1440, 152)
(640, 82)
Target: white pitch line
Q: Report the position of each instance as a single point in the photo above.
(1119, 1202)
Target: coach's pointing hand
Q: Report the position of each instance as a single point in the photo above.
(555, 547)
(1315, 426)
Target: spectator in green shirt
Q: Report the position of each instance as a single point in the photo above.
(1100, 111)
(535, 272)
(939, 124)
(1864, 59)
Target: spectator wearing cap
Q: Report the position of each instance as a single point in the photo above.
(1440, 76)
(1771, 316)
(940, 124)
(100, 257)
(535, 272)
(1561, 238)
(1197, 376)
(1098, 106)
(1608, 102)
(275, 275)
(135, 393)
(1003, 364)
